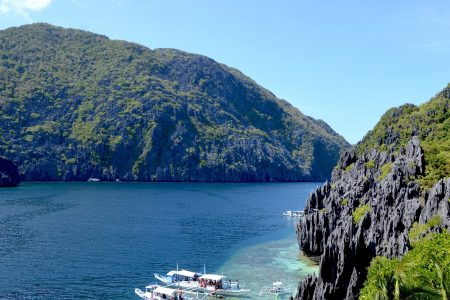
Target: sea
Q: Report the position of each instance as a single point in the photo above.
(101, 240)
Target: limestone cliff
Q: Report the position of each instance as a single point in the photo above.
(377, 192)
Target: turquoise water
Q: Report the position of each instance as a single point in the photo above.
(262, 264)
(101, 240)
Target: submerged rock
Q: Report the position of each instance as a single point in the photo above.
(9, 175)
(366, 211)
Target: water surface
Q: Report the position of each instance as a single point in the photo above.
(101, 240)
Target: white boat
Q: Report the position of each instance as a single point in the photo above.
(277, 288)
(294, 213)
(92, 179)
(182, 277)
(215, 284)
(157, 292)
(147, 293)
(212, 284)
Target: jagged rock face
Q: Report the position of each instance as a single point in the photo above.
(384, 182)
(9, 175)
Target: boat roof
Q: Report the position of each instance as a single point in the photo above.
(212, 277)
(277, 283)
(151, 286)
(182, 273)
(165, 291)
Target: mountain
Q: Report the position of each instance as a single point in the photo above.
(75, 105)
(9, 175)
(386, 194)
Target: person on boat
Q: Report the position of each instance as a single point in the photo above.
(237, 284)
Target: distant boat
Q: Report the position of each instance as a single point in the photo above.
(294, 213)
(92, 179)
(277, 288)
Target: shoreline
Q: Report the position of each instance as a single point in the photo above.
(139, 181)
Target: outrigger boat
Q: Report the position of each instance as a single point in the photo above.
(217, 285)
(276, 288)
(178, 276)
(212, 284)
(157, 292)
(294, 213)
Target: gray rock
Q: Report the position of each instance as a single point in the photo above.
(9, 175)
(346, 248)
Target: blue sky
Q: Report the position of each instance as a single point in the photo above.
(342, 61)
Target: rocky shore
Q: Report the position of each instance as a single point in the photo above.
(9, 175)
(365, 211)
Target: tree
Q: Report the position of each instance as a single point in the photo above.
(423, 273)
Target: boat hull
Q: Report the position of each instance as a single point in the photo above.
(231, 293)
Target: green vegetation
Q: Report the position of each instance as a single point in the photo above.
(360, 212)
(430, 122)
(348, 168)
(423, 273)
(417, 230)
(385, 170)
(370, 164)
(74, 105)
(344, 201)
(380, 282)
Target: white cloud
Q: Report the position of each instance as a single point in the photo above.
(22, 7)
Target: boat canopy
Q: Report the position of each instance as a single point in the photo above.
(151, 286)
(182, 273)
(214, 277)
(165, 291)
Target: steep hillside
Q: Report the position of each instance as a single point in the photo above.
(384, 197)
(430, 122)
(75, 105)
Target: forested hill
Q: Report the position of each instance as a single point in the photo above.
(381, 225)
(75, 105)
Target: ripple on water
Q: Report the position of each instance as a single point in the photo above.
(100, 241)
(14, 233)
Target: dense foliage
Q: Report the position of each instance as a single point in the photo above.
(417, 231)
(359, 212)
(75, 105)
(430, 122)
(423, 273)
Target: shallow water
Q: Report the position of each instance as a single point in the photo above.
(101, 240)
(263, 264)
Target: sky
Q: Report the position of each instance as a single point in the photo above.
(343, 61)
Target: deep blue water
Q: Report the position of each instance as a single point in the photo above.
(101, 240)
